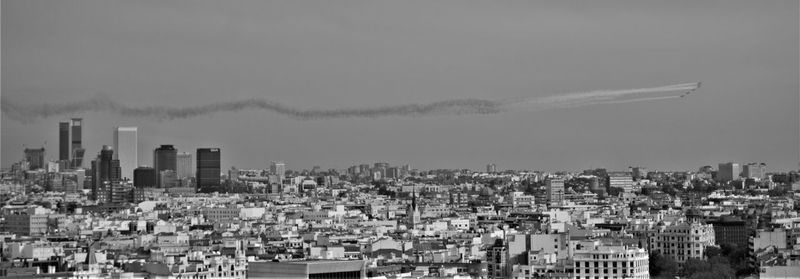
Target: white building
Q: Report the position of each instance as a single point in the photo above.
(126, 150)
(183, 162)
(594, 259)
(683, 241)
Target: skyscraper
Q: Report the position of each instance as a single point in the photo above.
(555, 190)
(491, 168)
(184, 163)
(754, 170)
(105, 170)
(63, 141)
(35, 157)
(77, 151)
(208, 169)
(278, 168)
(126, 147)
(144, 177)
(164, 158)
(728, 171)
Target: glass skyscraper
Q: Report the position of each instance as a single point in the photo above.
(208, 169)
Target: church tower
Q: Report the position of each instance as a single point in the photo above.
(412, 212)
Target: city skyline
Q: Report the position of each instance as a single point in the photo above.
(342, 58)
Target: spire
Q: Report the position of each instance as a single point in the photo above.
(414, 197)
(91, 258)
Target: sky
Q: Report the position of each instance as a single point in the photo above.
(335, 54)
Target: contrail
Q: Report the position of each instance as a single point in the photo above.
(24, 113)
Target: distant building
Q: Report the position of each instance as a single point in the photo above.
(167, 179)
(278, 168)
(754, 170)
(555, 190)
(77, 151)
(307, 269)
(728, 172)
(105, 169)
(184, 165)
(731, 230)
(208, 169)
(622, 180)
(30, 222)
(126, 150)
(491, 168)
(639, 172)
(144, 177)
(164, 158)
(35, 156)
(63, 142)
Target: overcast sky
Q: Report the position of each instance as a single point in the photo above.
(331, 54)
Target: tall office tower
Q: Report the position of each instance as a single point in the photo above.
(105, 170)
(164, 158)
(63, 141)
(125, 145)
(491, 168)
(208, 169)
(278, 168)
(35, 158)
(555, 190)
(728, 171)
(77, 151)
(144, 177)
(754, 170)
(184, 164)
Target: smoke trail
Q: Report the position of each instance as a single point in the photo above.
(448, 107)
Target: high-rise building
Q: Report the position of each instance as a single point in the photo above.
(728, 171)
(77, 151)
(754, 170)
(208, 169)
(144, 177)
(105, 170)
(555, 190)
(168, 179)
(184, 164)
(35, 156)
(164, 158)
(125, 145)
(491, 168)
(278, 168)
(63, 141)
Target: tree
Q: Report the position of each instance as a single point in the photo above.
(662, 267)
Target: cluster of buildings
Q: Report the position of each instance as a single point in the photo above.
(184, 218)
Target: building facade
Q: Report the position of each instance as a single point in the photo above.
(184, 165)
(164, 158)
(208, 169)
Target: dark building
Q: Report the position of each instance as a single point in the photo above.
(105, 170)
(731, 230)
(63, 141)
(77, 150)
(35, 156)
(165, 158)
(208, 169)
(144, 177)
